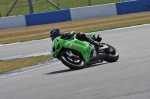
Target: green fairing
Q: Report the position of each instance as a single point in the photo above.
(81, 46)
(90, 35)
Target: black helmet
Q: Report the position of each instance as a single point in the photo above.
(55, 33)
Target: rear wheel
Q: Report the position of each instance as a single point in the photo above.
(75, 62)
(111, 54)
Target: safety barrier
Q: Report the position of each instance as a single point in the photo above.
(48, 17)
(132, 6)
(75, 14)
(93, 11)
(12, 22)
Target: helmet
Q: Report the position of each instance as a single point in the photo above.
(55, 33)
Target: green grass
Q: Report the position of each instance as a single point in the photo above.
(5, 5)
(117, 26)
(10, 65)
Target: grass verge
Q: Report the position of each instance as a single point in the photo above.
(10, 65)
(87, 25)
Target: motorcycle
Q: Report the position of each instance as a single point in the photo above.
(77, 54)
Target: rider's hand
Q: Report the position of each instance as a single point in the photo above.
(98, 38)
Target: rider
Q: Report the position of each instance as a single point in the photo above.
(81, 36)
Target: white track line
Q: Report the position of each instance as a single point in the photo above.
(25, 56)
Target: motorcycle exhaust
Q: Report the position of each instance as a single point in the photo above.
(100, 56)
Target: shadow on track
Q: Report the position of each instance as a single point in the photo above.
(59, 71)
(69, 70)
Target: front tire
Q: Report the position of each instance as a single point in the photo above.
(80, 64)
(112, 56)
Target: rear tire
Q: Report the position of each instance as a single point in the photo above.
(72, 65)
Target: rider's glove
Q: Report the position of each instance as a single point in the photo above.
(98, 38)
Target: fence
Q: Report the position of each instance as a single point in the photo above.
(75, 14)
(22, 6)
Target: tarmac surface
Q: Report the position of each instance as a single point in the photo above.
(128, 78)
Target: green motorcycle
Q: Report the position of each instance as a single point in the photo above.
(77, 54)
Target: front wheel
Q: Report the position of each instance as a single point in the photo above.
(71, 62)
(111, 54)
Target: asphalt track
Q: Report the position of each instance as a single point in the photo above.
(129, 78)
(25, 48)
